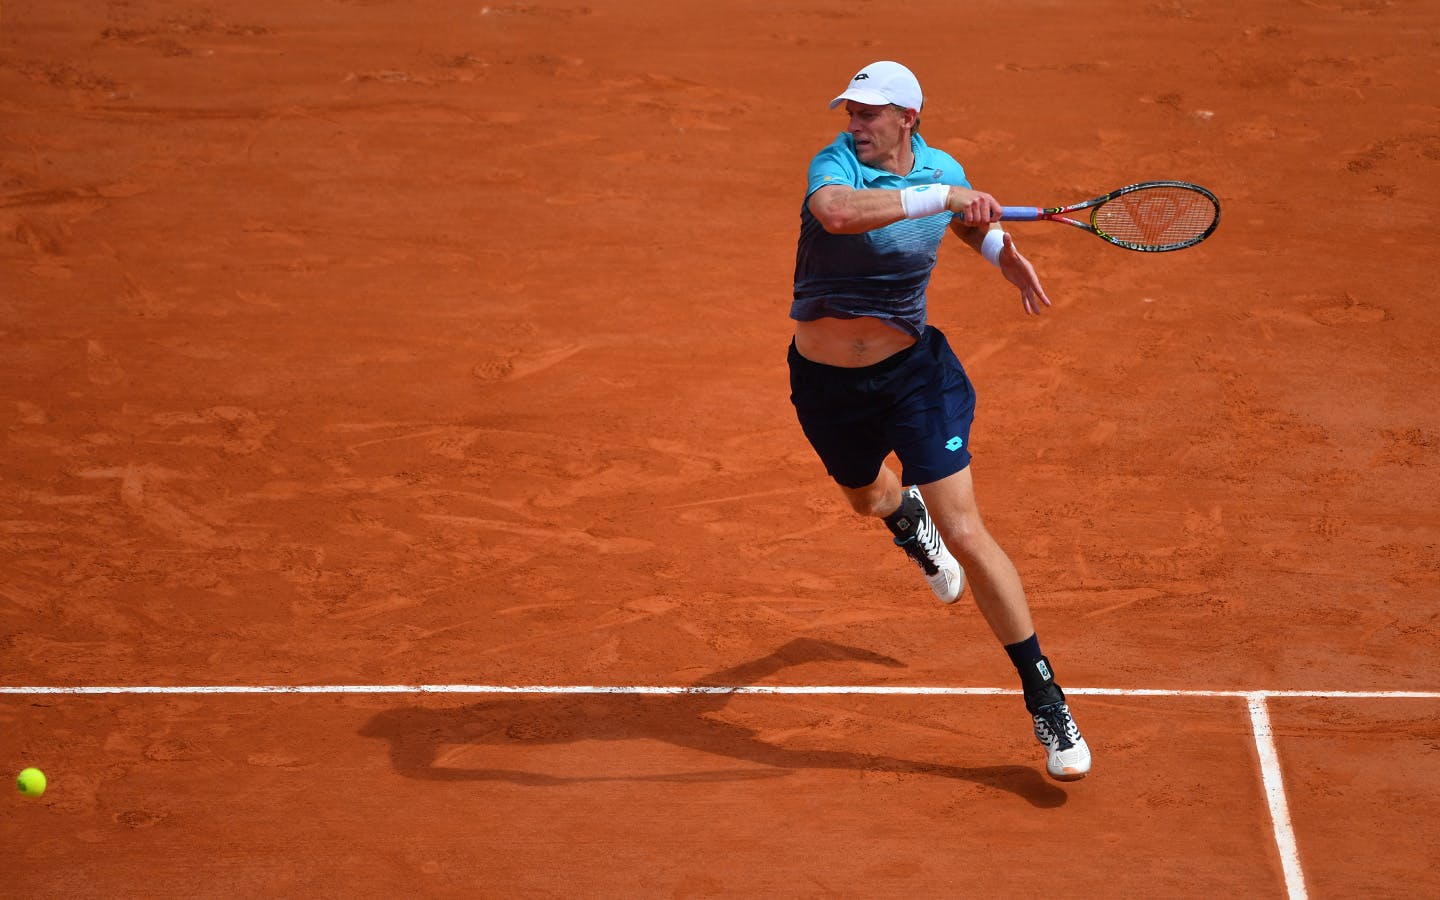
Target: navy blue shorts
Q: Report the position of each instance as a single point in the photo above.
(918, 403)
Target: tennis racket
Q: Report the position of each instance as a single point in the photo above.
(1153, 217)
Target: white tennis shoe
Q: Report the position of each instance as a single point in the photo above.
(1067, 756)
(923, 544)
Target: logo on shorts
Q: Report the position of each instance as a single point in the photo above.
(955, 443)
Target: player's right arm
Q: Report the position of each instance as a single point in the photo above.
(841, 209)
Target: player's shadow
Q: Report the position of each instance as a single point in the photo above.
(418, 736)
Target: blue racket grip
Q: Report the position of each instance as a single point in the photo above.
(1020, 213)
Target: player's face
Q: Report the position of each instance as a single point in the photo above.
(879, 133)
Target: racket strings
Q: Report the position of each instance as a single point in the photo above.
(1156, 217)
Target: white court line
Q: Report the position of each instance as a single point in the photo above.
(695, 689)
(1274, 783)
(1271, 775)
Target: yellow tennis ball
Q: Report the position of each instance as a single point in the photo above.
(31, 782)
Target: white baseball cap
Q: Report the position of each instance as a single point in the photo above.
(882, 83)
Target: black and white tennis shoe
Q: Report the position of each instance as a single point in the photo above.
(1067, 756)
(917, 535)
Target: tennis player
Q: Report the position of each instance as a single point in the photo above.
(870, 377)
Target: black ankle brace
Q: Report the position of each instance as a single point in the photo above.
(1038, 682)
(902, 521)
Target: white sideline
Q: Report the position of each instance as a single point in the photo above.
(1275, 796)
(1271, 775)
(692, 689)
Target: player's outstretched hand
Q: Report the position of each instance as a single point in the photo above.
(1018, 271)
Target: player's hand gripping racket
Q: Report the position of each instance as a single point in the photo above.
(1153, 216)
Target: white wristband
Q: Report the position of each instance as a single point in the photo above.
(992, 245)
(924, 200)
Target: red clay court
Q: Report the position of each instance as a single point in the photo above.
(400, 495)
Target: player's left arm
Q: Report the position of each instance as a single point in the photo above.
(1015, 267)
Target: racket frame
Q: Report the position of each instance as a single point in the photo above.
(1060, 214)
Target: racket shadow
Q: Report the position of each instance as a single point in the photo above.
(431, 743)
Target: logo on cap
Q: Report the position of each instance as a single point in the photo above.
(861, 77)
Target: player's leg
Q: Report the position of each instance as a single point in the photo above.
(932, 439)
(880, 498)
(994, 582)
(904, 513)
(1000, 597)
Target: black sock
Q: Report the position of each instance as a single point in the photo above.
(1037, 678)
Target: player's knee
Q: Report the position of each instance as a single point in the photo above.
(871, 502)
(968, 542)
(867, 505)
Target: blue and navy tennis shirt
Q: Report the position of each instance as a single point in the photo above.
(881, 273)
